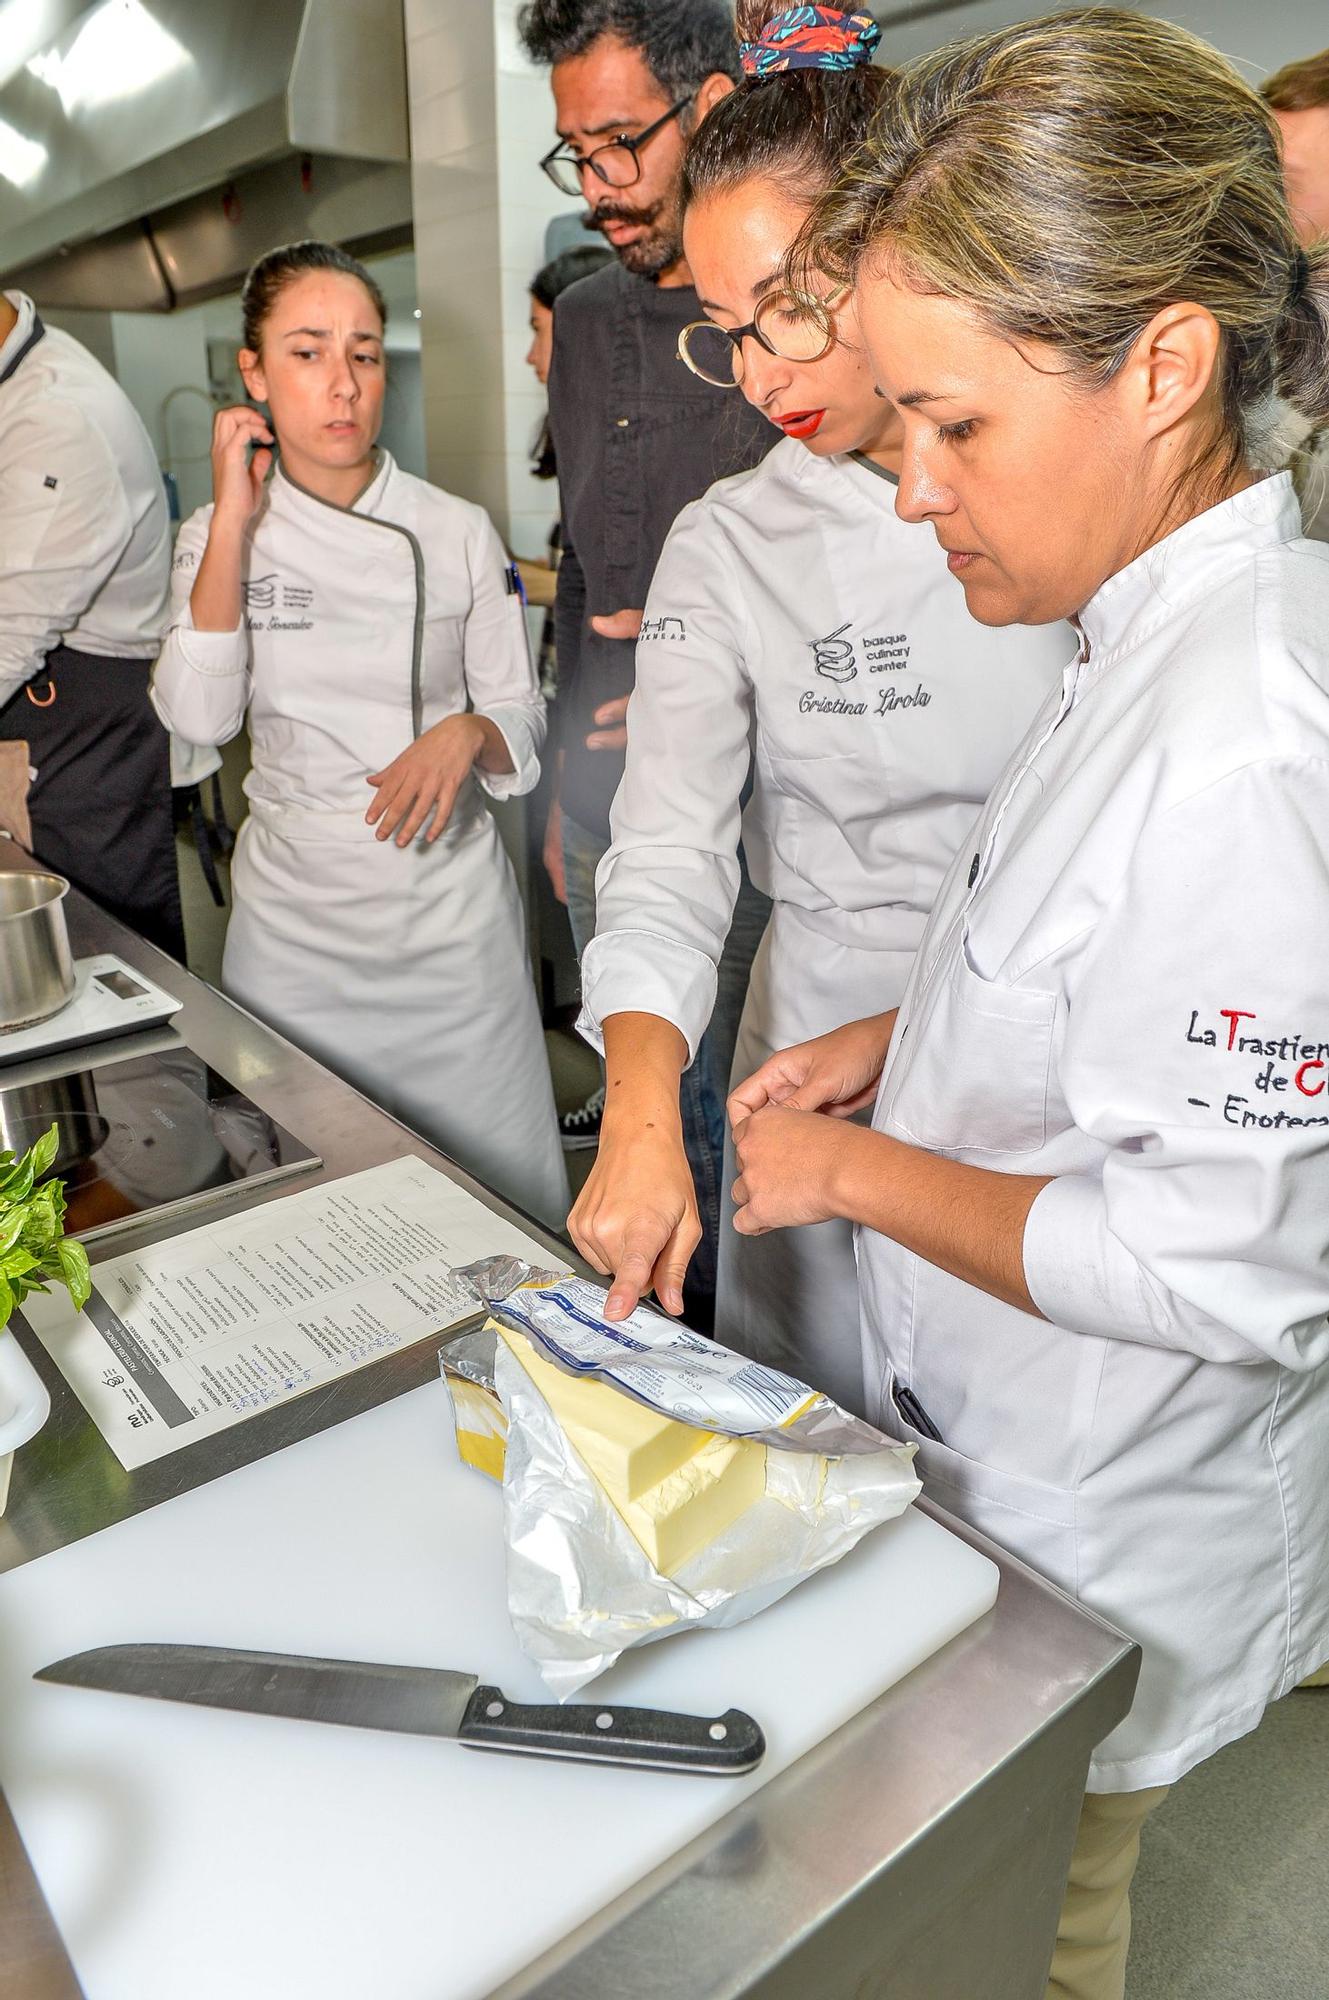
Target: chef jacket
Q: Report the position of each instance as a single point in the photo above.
(433, 567)
(793, 608)
(403, 969)
(636, 436)
(84, 533)
(1125, 986)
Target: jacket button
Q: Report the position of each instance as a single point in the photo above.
(973, 871)
(620, 423)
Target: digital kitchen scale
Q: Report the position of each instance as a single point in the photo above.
(109, 999)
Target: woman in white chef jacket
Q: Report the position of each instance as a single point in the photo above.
(1093, 1213)
(366, 624)
(789, 603)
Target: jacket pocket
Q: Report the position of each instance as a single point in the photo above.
(972, 1072)
(1029, 1518)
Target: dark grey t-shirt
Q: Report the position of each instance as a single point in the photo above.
(636, 436)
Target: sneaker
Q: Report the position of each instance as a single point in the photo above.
(581, 1128)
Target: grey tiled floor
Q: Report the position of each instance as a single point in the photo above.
(1231, 1900)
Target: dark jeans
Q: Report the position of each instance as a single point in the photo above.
(704, 1086)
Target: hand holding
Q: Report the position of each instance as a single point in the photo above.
(836, 1073)
(237, 479)
(789, 1166)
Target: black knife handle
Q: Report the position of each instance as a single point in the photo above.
(723, 1746)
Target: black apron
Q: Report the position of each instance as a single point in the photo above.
(100, 802)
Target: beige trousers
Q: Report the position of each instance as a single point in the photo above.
(1094, 1931)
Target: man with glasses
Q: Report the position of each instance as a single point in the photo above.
(636, 436)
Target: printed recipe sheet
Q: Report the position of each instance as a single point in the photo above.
(192, 1335)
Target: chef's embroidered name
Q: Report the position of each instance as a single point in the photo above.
(813, 702)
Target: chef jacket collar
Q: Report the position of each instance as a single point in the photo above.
(1194, 559)
(366, 502)
(24, 334)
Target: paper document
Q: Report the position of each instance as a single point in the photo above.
(194, 1334)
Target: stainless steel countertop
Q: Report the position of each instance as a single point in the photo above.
(940, 1765)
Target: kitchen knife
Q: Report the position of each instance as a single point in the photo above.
(419, 1701)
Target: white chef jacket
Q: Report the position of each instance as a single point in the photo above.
(1125, 985)
(797, 626)
(403, 969)
(84, 532)
(791, 606)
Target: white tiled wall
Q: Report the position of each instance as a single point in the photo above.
(481, 117)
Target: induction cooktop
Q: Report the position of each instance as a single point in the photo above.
(148, 1135)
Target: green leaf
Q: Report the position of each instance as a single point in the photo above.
(40, 1227)
(17, 1184)
(75, 1272)
(43, 1153)
(32, 1242)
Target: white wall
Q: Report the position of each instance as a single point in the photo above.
(156, 355)
(481, 117)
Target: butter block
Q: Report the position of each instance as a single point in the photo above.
(629, 1448)
(674, 1486)
(675, 1520)
(481, 1425)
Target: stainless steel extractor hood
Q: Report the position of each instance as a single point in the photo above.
(149, 149)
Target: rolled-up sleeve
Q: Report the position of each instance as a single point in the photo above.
(501, 679)
(201, 682)
(1197, 1052)
(665, 891)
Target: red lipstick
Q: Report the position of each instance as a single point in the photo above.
(801, 423)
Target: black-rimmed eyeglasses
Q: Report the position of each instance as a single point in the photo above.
(615, 163)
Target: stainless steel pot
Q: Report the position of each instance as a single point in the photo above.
(36, 965)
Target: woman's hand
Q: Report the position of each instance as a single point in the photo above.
(237, 479)
(611, 717)
(837, 1073)
(426, 778)
(791, 1165)
(636, 1218)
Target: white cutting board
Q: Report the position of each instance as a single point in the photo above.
(189, 1852)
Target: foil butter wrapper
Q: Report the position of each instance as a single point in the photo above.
(581, 1588)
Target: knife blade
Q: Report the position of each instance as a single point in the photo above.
(418, 1701)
